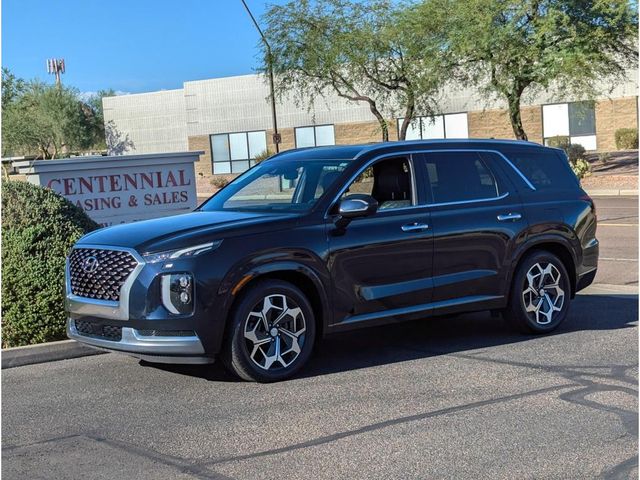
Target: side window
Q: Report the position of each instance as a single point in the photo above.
(388, 181)
(327, 177)
(545, 169)
(459, 176)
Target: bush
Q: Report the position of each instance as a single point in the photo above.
(604, 157)
(219, 182)
(581, 168)
(627, 138)
(575, 152)
(262, 156)
(38, 229)
(559, 142)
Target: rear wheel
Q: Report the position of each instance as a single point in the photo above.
(540, 294)
(272, 332)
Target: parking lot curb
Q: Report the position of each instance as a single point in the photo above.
(609, 289)
(611, 192)
(45, 352)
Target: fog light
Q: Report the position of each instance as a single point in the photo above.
(177, 293)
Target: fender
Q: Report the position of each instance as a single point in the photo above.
(302, 262)
(560, 234)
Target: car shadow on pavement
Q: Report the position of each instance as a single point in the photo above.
(435, 336)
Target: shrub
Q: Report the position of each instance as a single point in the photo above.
(219, 182)
(559, 142)
(581, 168)
(38, 229)
(627, 138)
(575, 153)
(604, 157)
(263, 156)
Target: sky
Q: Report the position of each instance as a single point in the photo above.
(131, 46)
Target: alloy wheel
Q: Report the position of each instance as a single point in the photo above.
(274, 332)
(542, 294)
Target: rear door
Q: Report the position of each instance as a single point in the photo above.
(476, 218)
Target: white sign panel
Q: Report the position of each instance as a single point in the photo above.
(124, 188)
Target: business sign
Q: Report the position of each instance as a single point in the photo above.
(124, 188)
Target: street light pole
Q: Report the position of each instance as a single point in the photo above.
(276, 135)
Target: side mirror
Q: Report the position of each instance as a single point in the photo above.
(357, 205)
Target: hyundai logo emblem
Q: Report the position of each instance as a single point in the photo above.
(90, 264)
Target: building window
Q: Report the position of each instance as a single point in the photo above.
(235, 152)
(576, 120)
(315, 136)
(450, 125)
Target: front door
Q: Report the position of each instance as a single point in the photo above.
(381, 265)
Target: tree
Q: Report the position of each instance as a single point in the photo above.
(509, 47)
(94, 102)
(363, 51)
(46, 120)
(12, 87)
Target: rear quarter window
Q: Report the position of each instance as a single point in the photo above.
(545, 169)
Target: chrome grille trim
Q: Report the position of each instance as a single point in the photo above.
(113, 269)
(111, 309)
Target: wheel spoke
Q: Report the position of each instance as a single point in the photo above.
(274, 332)
(542, 295)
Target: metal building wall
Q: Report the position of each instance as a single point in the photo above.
(155, 122)
(241, 103)
(162, 121)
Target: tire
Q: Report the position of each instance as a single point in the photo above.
(528, 310)
(259, 350)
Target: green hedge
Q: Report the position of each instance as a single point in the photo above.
(626, 138)
(38, 229)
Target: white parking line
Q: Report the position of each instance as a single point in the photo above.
(613, 259)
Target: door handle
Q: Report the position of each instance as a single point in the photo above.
(509, 216)
(414, 227)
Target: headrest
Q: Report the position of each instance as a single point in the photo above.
(391, 182)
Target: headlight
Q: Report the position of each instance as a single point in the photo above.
(177, 293)
(181, 253)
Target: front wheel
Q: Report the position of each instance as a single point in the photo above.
(271, 333)
(540, 294)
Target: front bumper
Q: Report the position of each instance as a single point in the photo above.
(139, 309)
(159, 349)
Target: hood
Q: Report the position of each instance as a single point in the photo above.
(167, 233)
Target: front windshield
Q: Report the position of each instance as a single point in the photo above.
(291, 186)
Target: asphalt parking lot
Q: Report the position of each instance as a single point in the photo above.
(618, 235)
(459, 397)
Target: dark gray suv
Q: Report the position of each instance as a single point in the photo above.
(317, 241)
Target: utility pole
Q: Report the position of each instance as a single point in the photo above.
(276, 136)
(55, 66)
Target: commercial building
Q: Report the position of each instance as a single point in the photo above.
(230, 120)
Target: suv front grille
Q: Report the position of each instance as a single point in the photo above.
(106, 332)
(99, 274)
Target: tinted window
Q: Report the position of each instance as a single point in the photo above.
(582, 118)
(545, 169)
(459, 176)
